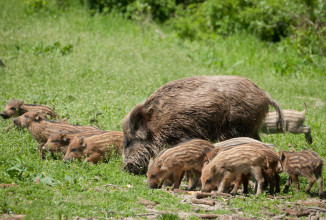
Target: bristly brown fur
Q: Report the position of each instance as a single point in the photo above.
(206, 107)
(58, 142)
(18, 107)
(303, 163)
(251, 158)
(170, 165)
(96, 147)
(293, 120)
(41, 128)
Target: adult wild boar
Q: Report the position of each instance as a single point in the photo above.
(213, 108)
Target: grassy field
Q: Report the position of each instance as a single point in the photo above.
(93, 70)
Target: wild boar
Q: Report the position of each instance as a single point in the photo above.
(303, 163)
(96, 147)
(58, 142)
(17, 107)
(293, 121)
(41, 128)
(228, 164)
(173, 162)
(213, 108)
(271, 176)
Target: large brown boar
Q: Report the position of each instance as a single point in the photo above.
(58, 142)
(96, 147)
(303, 163)
(41, 128)
(173, 162)
(206, 107)
(17, 107)
(293, 121)
(228, 164)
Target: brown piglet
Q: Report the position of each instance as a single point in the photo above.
(41, 128)
(293, 122)
(186, 156)
(58, 142)
(303, 163)
(96, 147)
(239, 160)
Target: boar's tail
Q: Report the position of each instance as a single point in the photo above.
(305, 109)
(280, 120)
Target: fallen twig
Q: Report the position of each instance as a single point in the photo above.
(279, 197)
(114, 186)
(209, 202)
(317, 209)
(207, 216)
(201, 195)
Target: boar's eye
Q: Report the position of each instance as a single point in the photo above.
(154, 175)
(26, 116)
(73, 149)
(54, 141)
(13, 108)
(209, 180)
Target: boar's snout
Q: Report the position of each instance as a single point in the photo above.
(153, 185)
(17, 122)
(4, 115)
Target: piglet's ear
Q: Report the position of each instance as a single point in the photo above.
(20, 102)
(64, 137)
(82, 142)
(150, 163)
(282, 156)
(37, 116)
(214, 169)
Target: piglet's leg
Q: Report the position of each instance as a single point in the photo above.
(177, 178)
(312, 180)
(238, 182)
(277, 183)
(256, 172)
(295, 181)
(287, 185)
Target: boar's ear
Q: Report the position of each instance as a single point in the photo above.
(37, 116)
(213, 169)
(282, 156)
(82, 142)
(138, 121)
(64, 136)
(20, 102)
(150, 162)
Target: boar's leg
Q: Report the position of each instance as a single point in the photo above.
(307, 134)
(287, 185)
(194, 180)
(177, 178)
(226, 182)
(312, 180)
(318, 174)
(256, 172)
(41, 151)
(94, 158)
(10, 126)
(277, 179)
(295, 181)
(238, 181)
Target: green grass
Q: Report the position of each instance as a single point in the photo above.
(93, 70)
